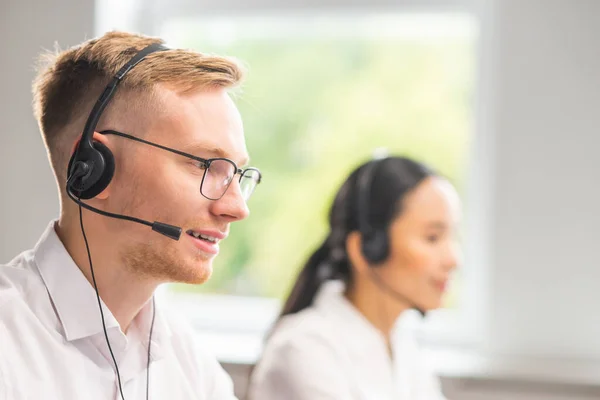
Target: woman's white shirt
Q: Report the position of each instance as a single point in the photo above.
(330, 351)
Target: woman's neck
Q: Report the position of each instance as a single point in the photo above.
(381, 311)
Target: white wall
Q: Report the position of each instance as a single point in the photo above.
(29, 197)
(543, 93)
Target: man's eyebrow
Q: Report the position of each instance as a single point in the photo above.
(214, 151)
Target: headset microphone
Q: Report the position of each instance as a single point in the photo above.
(92, 166)
(171, 231)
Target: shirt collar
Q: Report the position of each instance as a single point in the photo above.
(366, 345)
(74, 298)
(330, 301)
(160, 332)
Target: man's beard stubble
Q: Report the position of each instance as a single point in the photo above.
(159, 258)
(160, 262)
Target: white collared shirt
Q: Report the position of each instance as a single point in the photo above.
(331, 352)
(52, 344)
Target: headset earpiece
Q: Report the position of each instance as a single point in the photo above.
(101, 169)
(375, 247)
(374, 242)
(93, 162)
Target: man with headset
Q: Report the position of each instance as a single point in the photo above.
(147, 149)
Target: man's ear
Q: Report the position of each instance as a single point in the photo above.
(96, 137)
(355, 255)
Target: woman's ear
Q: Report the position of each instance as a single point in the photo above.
(354, 250)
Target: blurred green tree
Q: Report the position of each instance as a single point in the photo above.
(314, 109)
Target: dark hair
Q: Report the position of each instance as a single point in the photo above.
(392, 179)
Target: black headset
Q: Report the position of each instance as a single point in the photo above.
(92, 166)
(375, 241)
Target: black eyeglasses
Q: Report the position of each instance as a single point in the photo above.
(218, 172)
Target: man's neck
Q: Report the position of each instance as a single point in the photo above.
(123, 292)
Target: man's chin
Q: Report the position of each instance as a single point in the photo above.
(195, 274)
(168, 266)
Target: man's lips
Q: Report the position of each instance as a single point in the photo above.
(206, 240)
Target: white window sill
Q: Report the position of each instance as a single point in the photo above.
(234, 329)
(468, 365)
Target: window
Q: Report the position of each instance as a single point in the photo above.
(321, 95)
(324, 91)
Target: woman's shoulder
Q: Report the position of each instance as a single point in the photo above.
(306, 323)
(304, 328)
(301, 355)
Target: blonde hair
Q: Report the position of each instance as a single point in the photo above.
(69, 82)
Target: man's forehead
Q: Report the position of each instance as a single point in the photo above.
(205, 124)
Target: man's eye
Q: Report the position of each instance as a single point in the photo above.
(199, 164)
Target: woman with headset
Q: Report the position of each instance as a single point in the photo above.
(391, 248)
